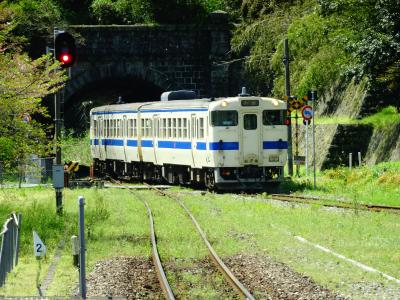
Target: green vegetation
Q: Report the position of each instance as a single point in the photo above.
(117, 225)
(379, 184)
(382, 119)
(23, 83)
(76, 149)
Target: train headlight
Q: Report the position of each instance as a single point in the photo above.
(275, 102)
(224, 104)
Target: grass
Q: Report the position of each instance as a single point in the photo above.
(117, 225)
(379, 184)
(267, 229)
(382, 119)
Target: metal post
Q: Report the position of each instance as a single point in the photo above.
(313, 98)
(297, 145)
(350, 160)
(307, 122)
(19, 217)
(57, 135)
(82, 275)
(287, 87)
(359, 159)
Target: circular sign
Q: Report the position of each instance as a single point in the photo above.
(307, 112)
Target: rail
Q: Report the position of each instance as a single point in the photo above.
(156, 259)
(335, 203)
(235, 283)
(9, 245)
(162, 278)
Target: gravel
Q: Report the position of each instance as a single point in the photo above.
(126, 277)
(135, 278)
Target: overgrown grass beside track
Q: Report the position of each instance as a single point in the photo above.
(117, 225)
(379, 184)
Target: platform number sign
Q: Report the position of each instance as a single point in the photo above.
(39, 248)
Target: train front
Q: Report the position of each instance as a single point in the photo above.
(249, 141)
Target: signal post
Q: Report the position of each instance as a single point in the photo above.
(65, 53)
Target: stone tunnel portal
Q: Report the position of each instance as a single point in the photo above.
(105, 92)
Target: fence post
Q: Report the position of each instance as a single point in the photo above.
(19, 218)
(359, 159)
(350, 160)
(82, 275)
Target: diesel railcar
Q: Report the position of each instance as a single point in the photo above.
(222, 143)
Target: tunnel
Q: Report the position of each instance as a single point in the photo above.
(104, 92)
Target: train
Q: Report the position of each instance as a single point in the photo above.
(227, 143)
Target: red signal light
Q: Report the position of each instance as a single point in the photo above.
(287, 122)
(65, 58)
(65, 49)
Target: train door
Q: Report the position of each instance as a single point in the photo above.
(193, 138)
(156, 126)
(125, 136)
(250, 138)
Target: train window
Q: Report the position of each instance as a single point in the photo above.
(135, 128)
(142, 127)
(130, 128)
(273, 117)
(173, 128)
(201, 128)
(179, 128)
(164, 128)
(169, 129)
(185, 128)
(250, 121)
(224, 118)
(94, 128)
(149, 126)
(118, 128)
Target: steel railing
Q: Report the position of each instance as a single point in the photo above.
(9, 245)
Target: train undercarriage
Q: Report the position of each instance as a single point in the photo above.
(223, 178)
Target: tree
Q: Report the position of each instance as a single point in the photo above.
(23, 84)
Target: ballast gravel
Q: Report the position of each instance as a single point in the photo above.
(135, 278)
(124, 277)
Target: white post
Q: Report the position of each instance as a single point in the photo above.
(359, 159)
(307, 122)
(82, 249)
(350, 160)
(313, 98)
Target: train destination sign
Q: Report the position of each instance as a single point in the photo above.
(307, 112)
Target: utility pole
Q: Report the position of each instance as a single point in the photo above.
(287, 88)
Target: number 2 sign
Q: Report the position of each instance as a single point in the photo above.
(39, 248)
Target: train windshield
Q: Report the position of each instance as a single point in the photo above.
(224, 118)
(273, 117)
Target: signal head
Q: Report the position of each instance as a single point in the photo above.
(65, 49)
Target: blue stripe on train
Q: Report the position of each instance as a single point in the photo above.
(174, 145)
(223, 145)
(270, 145)
(267, 145)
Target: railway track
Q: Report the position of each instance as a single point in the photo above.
(227, 273)
(334, 203)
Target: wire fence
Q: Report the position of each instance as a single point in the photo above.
(32, 170)
(9, 245)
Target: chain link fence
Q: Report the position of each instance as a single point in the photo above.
(33, 170)
(9, 245)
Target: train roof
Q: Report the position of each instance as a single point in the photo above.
(175, 104)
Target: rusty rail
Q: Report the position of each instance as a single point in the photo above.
(234, 282)
(314, 200)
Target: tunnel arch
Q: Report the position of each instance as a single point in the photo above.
(104, 85)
